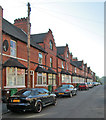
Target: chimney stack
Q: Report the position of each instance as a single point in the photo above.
(75, 59)
(22, 23)
(71, 56)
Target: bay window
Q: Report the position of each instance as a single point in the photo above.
(15, 76)
(41, 79)
(51, 79)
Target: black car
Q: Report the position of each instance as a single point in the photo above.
(31, 99)
(65, 90)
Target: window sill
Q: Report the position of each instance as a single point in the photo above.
(41, 85)
(14, 86)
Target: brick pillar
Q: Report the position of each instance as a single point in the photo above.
(22, 23)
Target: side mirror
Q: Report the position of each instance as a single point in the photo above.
(49, 92)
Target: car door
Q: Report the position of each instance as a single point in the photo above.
(43, 96)
(49, 96)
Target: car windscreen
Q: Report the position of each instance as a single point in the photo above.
(23, 92)
(64, 86)
(82, 84)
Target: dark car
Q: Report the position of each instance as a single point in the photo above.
(65, 90)
(31, 99)
(83, 86)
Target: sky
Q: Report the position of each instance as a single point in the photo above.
(79, 23)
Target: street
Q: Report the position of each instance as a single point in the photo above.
(87, 104)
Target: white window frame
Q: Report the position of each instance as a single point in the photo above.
(13, 86)
(42, 79)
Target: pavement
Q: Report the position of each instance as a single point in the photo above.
(4, 108)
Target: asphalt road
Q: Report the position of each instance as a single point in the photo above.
(87, 104)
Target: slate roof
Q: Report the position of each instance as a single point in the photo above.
(60, 50)
(16, 32)
(50, 70)
(78, 63)
(41, 70)
(73, 63)
(38, 38)
(60, 57)
(12, 62)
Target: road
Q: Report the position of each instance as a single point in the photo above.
(87, 104)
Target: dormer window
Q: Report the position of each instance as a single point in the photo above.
(51, 44)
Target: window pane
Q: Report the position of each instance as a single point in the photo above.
(40, 58)
(51, 45)
(39, 79)
(44, 78)
(40, 55)
(13, 48)
(20, 76)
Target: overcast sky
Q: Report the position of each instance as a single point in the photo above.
(80, 24)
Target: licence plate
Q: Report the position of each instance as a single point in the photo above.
(16, 100)
(61, 93)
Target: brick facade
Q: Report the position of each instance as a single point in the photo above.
(46, 47)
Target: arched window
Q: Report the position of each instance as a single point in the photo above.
(51, 45)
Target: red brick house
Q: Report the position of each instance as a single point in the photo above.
(49, 65)
(63, 65)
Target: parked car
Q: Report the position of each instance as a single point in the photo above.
(83, 86)
(31, 99)
(95, 83)
(90, 85)
(65, 90)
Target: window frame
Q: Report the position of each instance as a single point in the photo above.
(67, 54)
(62, 64)
(16, 78)
(40, 58)
(51, 62)
(43, 76)
(51, 44)
(11, 48)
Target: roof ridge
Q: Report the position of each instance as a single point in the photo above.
(39, 34)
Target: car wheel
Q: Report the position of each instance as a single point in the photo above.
(76, 93)
(54, 102)
(38, 107)
(70, 95)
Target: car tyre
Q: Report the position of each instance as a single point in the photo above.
(38, 107)
(55, 102)
(70, 95)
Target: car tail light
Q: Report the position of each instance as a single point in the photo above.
(55, 90)
(67, 90)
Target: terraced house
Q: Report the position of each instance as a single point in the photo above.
(49, 64)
